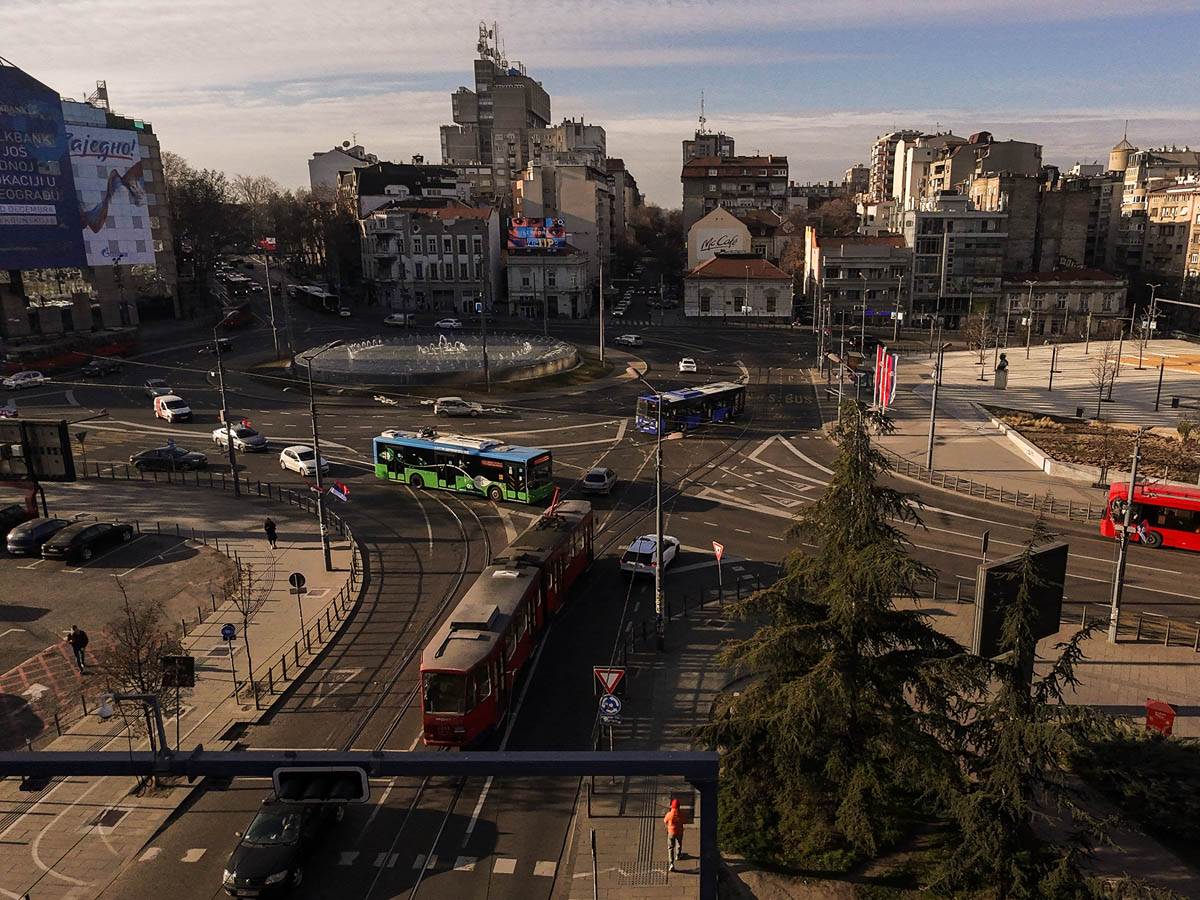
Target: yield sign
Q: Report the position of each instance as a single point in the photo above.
(609, 677)
(718, 549)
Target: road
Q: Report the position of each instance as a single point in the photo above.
(739, 484)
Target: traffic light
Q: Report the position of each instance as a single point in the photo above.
(321, 784)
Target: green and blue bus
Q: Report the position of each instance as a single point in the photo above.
(469, 465)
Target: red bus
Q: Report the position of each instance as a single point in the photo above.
(1163, 515)
(469, 669)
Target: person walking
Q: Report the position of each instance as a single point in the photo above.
(674, 822)
(269, 528)
(78, 640)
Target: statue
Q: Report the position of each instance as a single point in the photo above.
(1001, 379)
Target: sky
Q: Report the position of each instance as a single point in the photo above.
(256, 88)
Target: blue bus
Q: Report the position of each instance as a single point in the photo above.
(690, 408)
(469, 465)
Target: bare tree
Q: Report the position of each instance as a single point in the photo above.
(979, 333)
(1103, 371)
(247, 591)
(255, 193)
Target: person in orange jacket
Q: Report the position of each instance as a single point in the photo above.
(674, 822)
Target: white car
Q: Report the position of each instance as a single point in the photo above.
(344, 312)
(600, 480)
(302, 460)
(448, 323)
(245, 440)
(639, 555)
(628, 340)
(173, 408)
(157, 387)
(456, 406)
(22, 380)
(687, 364)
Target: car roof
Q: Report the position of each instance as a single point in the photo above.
(166, 397)
(602, 470)
(297, 448)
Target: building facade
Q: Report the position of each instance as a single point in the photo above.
(440, 259)
(737, 287)
(571, 141)
(582, 196)
(737, 182)
(708, 143)
(1146, 171)
(626, 199)
(845, 273)
(1047, 226)
(556, 284)
(1171, 255)
(857, 179)
(370, 187)
(325, 167)
(718, 232)
(981, 155)
(1068, 302)
(883, 162)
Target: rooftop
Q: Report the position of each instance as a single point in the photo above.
(861, 240)
(738, 265)
(449, 211)
(701, 164)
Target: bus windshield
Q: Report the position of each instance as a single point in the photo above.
(540, 471)
(647, 407)
(445, 692)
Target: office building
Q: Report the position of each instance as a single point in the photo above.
(844, 274)
(883, 162)
(325, 167)
(1066, 301)
(736, 182)
(737, 287)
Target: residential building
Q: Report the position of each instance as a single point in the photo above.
(1047, 226)
(718, 232)
(735, 182)
(1104, 190)
(910, 173)
(626, 198)
(571, 141)
(492, 123)
(442, 258)
(581, 195)
(769, 232)
(1063, 302)
(856, 179)
(958, 258)
(559, 280)
(883, 162)
(1146, 171)
(737, 286)
(844, 273)
(980, 155)
(708, 143)
(325, 167)
(1171, 255)
(876, 216)
(372, 186)
(810, 196)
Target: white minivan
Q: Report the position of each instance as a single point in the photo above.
(173, 408)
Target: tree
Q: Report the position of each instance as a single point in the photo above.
(839, 738)
(1018, 743)
(979, 333)
(202, 213)
(246, 591)
(255, 193)
(1185, 427)
(1103, 371)
(659, 233)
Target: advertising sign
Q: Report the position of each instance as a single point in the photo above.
(112, 195)
(536, 234)
(39, 215)
(1160, 716)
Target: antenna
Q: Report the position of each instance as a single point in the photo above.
(1125, 136)
(701, 129)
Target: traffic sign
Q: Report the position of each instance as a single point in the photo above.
(609, 677)
(610, 706)
(297, 579)
(228, 632)
(718, 549)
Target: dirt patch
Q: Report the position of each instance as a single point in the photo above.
(1093, 443)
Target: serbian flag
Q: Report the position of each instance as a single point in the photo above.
(341, 491)
(268, 243)
(885, 377)
(245, 423)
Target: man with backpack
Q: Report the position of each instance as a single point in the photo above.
(78, 640)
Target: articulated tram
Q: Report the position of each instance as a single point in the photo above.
(469, 669)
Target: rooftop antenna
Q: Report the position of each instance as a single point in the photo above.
(701, 129)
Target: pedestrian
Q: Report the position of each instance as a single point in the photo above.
(674, 822)
(78, 640)
(269, 528)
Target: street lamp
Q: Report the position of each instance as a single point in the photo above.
(746, 302)
(237, 488)
(660, 623)
(312, 412)
(1029, 318)
(862, 337)
(1148, 323)
(937, 380)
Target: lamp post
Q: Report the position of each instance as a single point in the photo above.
(312, 412)
(1029, 317)
(899, 314)
(487, 375)
(660, 622)
(937, 380)
(271, 302)
(1148, 323)
(862, 337)
(746, 302)
(237, 489)
(602, 312)
(1114, 614)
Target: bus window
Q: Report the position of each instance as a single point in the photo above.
(647, 407)
(445, 692)
(540, 471)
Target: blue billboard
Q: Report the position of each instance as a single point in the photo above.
(40, 225)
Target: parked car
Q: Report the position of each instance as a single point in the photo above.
(628, 340)
(172, 407)
(27, 538)
(270, 857)
(168, 459)
(456, 406)
(687, 364)
(223, 343)
(102, 365)
(21, 380)
(302, 460)
(11, 516)
(157, 387)
(619, 312)
(639, 556)
(599, 480)
(400, 319)
(344, 312)
(448, 324)
(81, 541)
(245, 439)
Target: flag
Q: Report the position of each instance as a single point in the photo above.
(245, 423)
(268, 243)
(341, 491)
(885, 377)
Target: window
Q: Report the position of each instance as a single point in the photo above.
(447, 245)
(433, 271)
(705, 301)
(462, 246)
(419, 269)
(137, 221)
(114, 247)
(148, 177)
(477, 245)
(712, 187)
(448, 271)
(772, 300)
(154, 222)
(141, 246)
(464, 271)
(712, 173)
(552, 278)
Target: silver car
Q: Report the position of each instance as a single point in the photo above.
(599, 480)
(456, 406)
(245, 439)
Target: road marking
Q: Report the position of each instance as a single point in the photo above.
(419, 862)
(504, 865)
(378, 806)
(742, 531)
(545, 867)
(32, 565)
(712, 524)
(774, 537)
(347, 857)
(320, 696)
(465, 864)
(386, 859)
(10, 630)
(193, 855)
(71, 398)
(150, 854)
(487, 786)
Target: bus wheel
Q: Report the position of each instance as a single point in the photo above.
(495, 494)
(1153, 540)
(414, 480)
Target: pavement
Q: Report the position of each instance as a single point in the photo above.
(72, 838)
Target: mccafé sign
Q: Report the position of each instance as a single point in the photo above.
(718, 242)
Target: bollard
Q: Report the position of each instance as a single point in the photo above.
(1167, 638)
(83, 700)
(199, 616)
(158, 527)
(271, 679)
(177, 534)
(283, 665)
(183, 625)
(1083, 617)
(296, 651)
(1137, 636)
(958, 590)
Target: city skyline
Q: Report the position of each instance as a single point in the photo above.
(817, 93)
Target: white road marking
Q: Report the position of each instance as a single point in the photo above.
(320, 696)
(742, 531)
(347, 857)
(150, 854)
(545, 867)
(71, 398)
(419, 862)
(193, 855)
(465, 864)
(378, 806)
(10, 630)
(487, 786)
(504, 865)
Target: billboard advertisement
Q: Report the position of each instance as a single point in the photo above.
(536, 234)
(112, 195)
(39, 215)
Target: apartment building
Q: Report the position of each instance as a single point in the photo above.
(811, 195)
(1171, 254)
(571, 141)
(369, 187)
(1047, 226)
(581, 195)
(1146, 171)
(708, 143)
(736, 182)
(980, 155)
(443, 258)
(326, 166)
(883, 162)
(910, 172)
(626, 198)
(1066, 301)
(857, 179)
(846, 274)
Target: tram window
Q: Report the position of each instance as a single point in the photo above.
(510, 639)
(445, 692)
(472, 691)
(483, 677)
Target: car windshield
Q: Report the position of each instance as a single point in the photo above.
(245, 432)
(175, 404)
(594, 476)
(445, 692)
(644, 559)
(274, 826)
(305, 455)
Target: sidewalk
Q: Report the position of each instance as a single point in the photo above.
(71, 838)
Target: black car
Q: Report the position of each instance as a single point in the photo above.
(223, 343)
(11, 516)
(168, 459)
(27, 538)
(102, 366)
(83, 540)
(269, 858)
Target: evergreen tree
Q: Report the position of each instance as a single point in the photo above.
(839, 740)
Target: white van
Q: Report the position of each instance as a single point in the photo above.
(173, 408)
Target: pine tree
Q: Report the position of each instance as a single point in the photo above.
(839, 739)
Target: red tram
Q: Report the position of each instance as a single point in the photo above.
(469, 668)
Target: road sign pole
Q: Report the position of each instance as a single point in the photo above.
(233, 670)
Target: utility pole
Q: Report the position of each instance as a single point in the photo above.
(896, 321)
(1087, 337)
(237, 487)
(660, 621)
(841, 364)
(1029, 317)
(862, 337)
(487, 375)
(271, 302)
(1114, 614)
(1162, 362)
(545, 302)
(312, 412)
(937, 380)
(601, 312)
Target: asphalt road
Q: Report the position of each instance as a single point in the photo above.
(739, 484)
